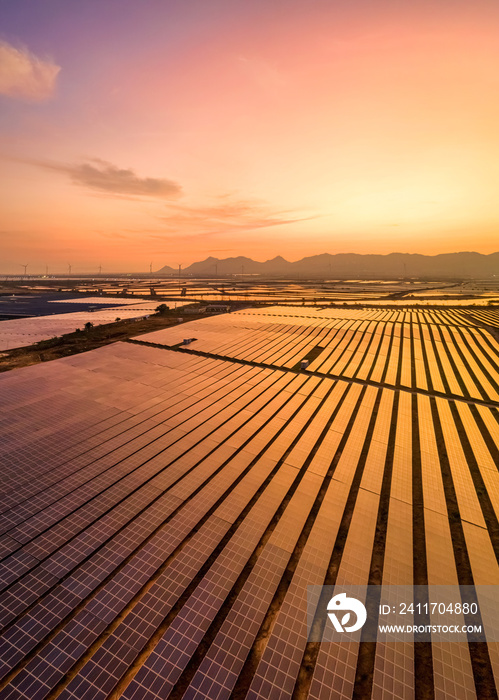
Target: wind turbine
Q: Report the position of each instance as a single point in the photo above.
(25, 268)
(69, 268)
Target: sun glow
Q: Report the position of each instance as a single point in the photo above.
(354, 127)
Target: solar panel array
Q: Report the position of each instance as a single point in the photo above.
(20, 332)
(163, 511)
(436, 351)
(489, 317)
(307, 292)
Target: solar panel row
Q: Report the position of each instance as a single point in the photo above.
(20, 332)
(461, 358)
(165, 549)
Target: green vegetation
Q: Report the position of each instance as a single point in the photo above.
(162, 309)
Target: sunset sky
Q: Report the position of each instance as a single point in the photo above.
(134, 131)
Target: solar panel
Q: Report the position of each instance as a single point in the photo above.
(163, 512)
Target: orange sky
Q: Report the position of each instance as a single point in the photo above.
(223, 128)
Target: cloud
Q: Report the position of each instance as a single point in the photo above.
(102, 176)
(228, 217)
(25, 76)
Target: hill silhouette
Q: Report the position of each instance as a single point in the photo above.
(351, 265)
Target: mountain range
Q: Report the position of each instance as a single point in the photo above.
(350, 265)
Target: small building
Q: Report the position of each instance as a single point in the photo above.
(217, 309)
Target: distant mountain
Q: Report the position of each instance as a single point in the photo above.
(211, 267)
(229, 266)
(351, 265)
(167, 270)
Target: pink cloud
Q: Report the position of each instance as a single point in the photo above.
(25, 76)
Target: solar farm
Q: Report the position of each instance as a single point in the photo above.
(247, 288)
(165, 504)
(21, 332)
